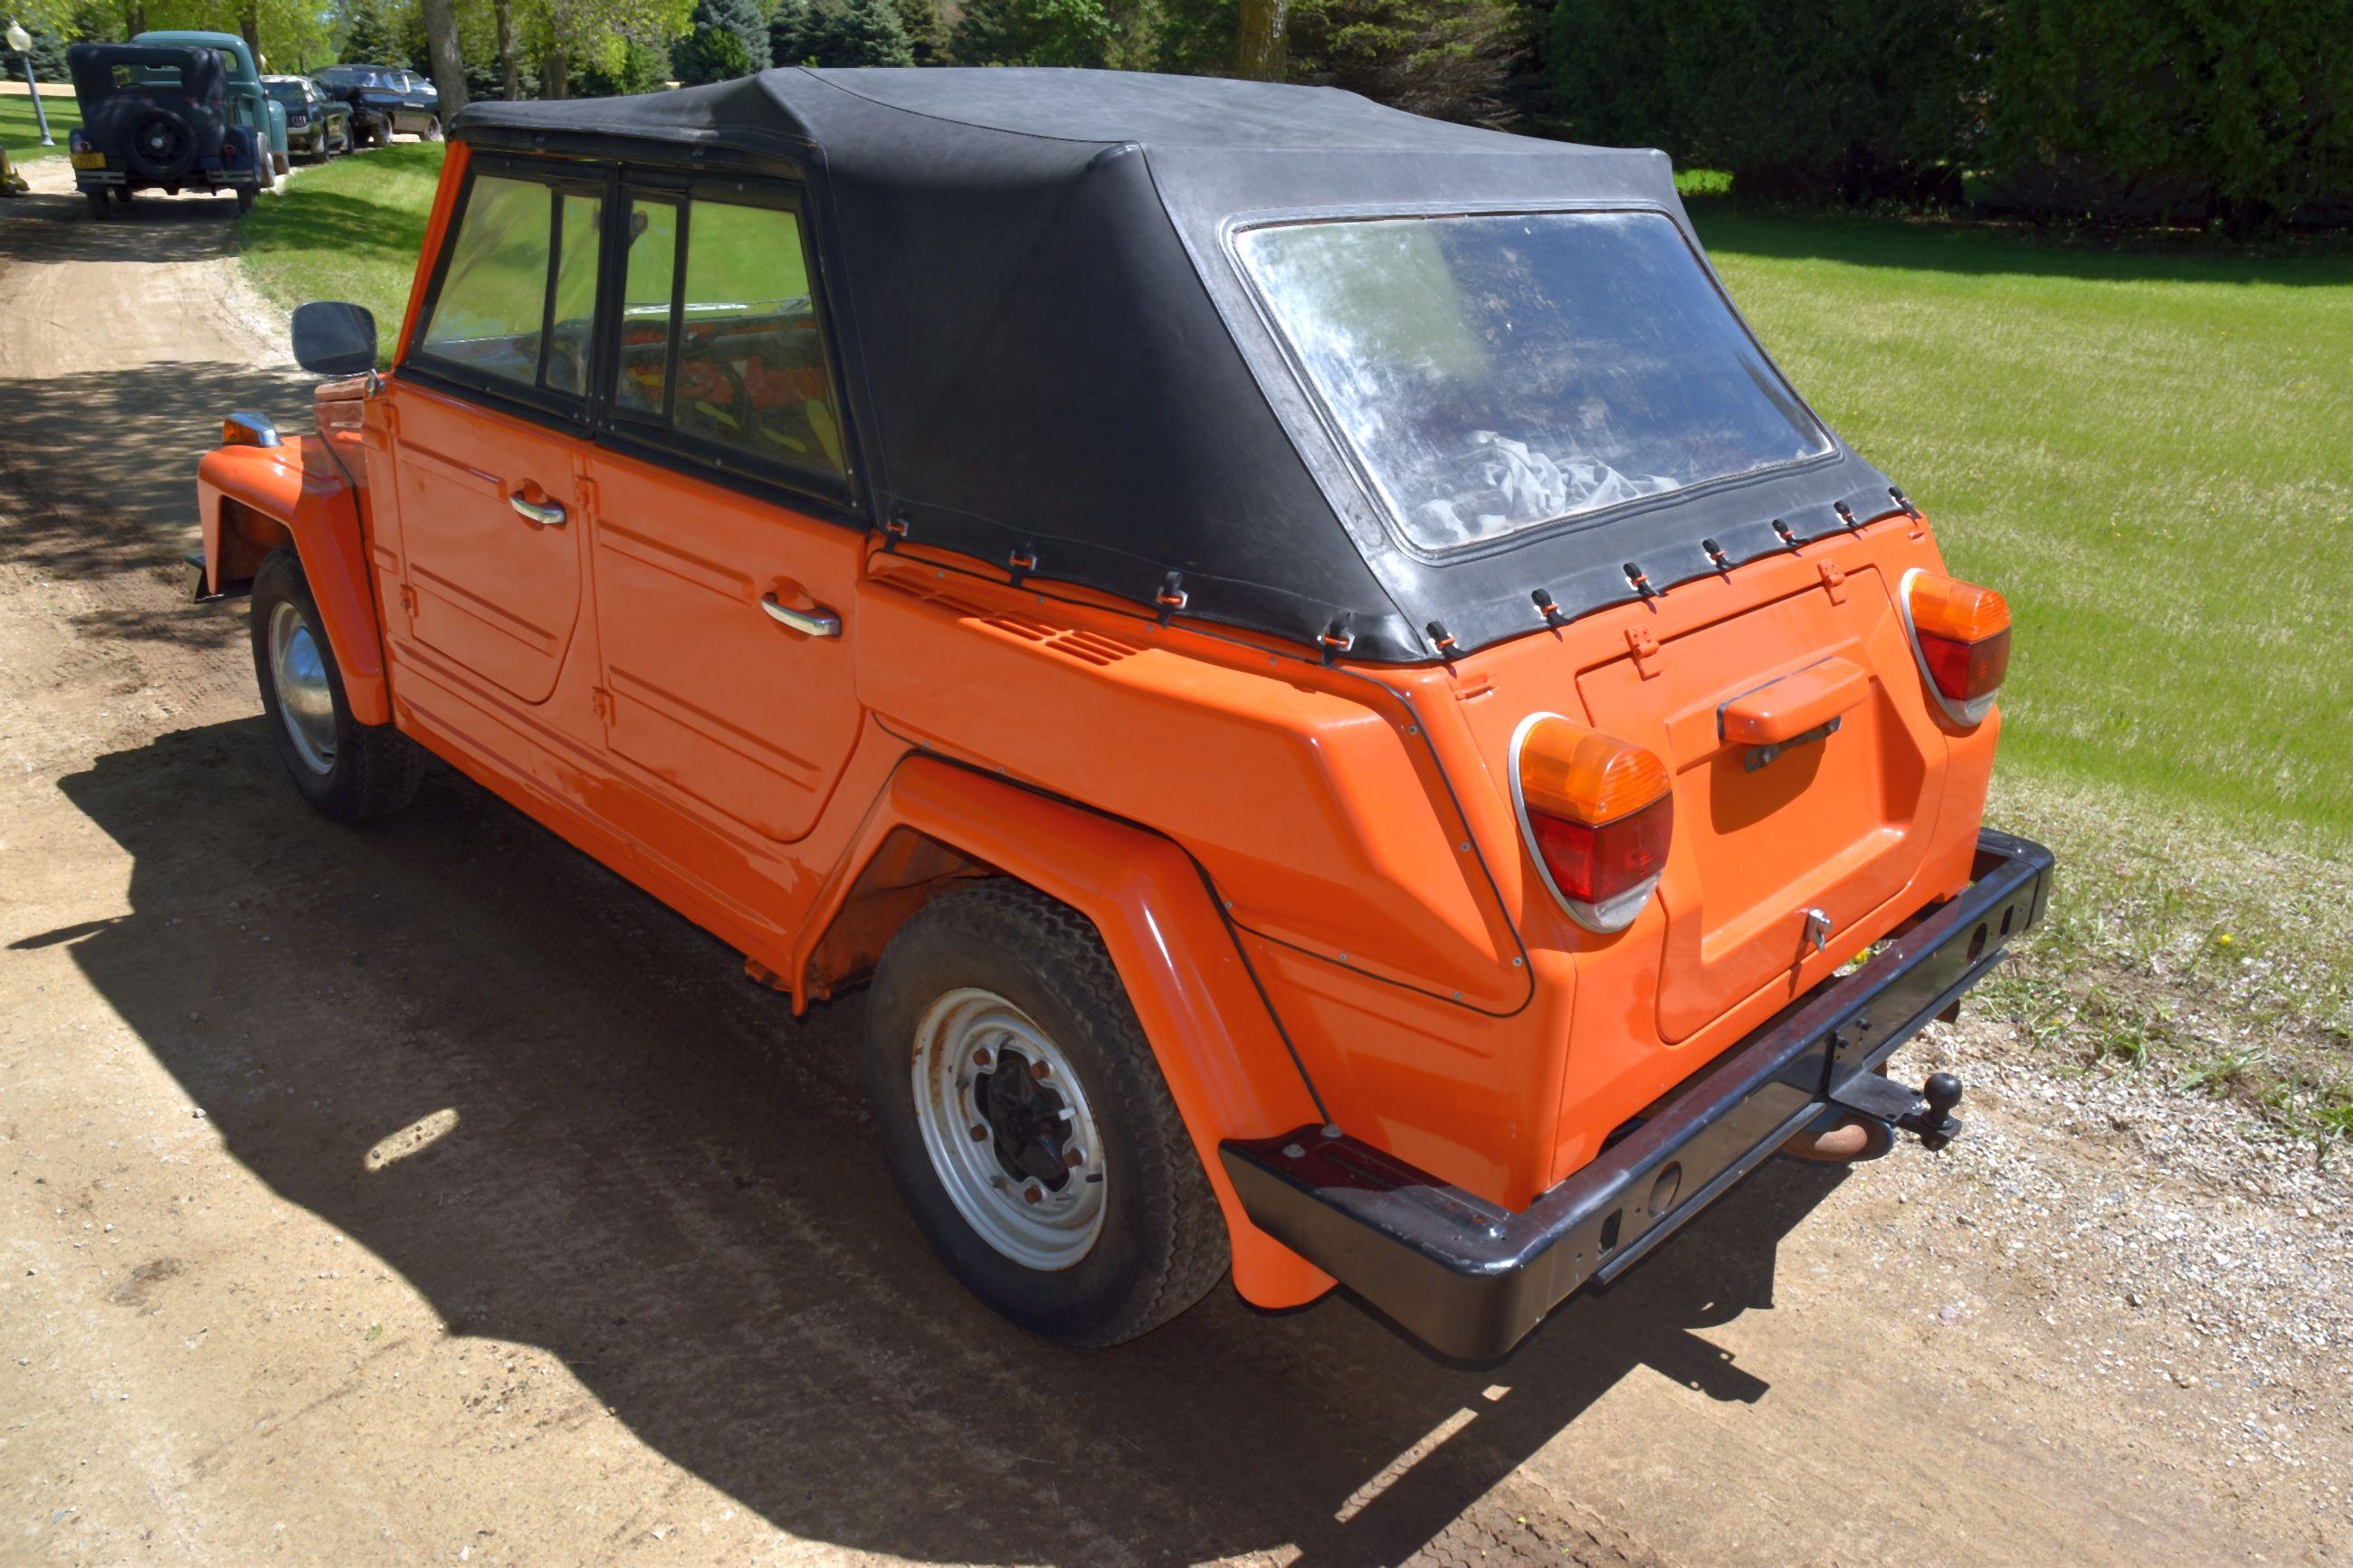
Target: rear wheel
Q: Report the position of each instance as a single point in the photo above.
(1027, 1125)
(432, 132)
(97, 204)
(244, 200)
(349, 771)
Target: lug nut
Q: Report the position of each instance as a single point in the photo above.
(1032, 1195)
(980, 1134)
(1038, 1069)
(1072, 1160)
(981, 1058)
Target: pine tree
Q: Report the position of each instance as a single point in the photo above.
(792, 31)
(846, 33)
(925, 37)
(1033, 33)
(699, 56)
(370, 37)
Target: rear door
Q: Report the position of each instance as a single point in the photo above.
(489, 430)
(725, 554)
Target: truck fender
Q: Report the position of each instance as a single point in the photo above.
(253, 499)
(1227, 1065)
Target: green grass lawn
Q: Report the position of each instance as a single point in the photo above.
(349, 230)
(21, 134)
(2149, 452)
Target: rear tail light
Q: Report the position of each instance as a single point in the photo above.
(1960, 634)
(1598, 813)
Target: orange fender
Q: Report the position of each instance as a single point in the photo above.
(251, 499)
(1225, 1061)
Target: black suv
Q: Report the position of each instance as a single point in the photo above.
(395, 98)
(157, 115)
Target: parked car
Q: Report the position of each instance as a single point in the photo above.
(316, 125)
(398, 99)
(1358, 727)
(249, 104)
(158, 116)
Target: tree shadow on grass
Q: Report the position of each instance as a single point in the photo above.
(647, 1167)
(1728, 227)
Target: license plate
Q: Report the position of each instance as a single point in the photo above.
(90, 160)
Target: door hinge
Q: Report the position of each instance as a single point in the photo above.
(1834, 582)
(601, 700)
(587, 490)
(408, 601)
(1645, 650)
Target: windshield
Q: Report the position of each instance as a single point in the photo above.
(1498, 373)
(355, 75)
(286, 92)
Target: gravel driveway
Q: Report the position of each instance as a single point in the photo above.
(426, 1193)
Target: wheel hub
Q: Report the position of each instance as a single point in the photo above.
(1007, 1127)
(305, 699)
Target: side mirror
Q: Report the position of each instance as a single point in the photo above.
(332, 338)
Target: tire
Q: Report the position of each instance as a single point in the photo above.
(97, 204)
(161, 145)
(244, 200)
(349, 771)
(432, 132)
(999, 970)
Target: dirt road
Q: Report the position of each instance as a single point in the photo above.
(425, 1194)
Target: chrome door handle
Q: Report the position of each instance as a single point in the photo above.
(539, 514)
(818, 622)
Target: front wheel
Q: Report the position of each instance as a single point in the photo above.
(432, 132)
(348, 771)
(1027, 1124)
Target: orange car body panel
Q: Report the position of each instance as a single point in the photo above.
(1310, 876)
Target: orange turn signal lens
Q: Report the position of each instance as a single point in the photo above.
(1599, 815)
(1584, 776)
(1956, 611)
(1961, 634)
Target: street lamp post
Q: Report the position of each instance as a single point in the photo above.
(22, 42)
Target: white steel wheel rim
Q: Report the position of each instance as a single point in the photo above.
(989, 1079)
(297, 671)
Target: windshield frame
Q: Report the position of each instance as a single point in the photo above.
(1335, 432)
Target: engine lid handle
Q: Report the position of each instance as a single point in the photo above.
(1795, 705)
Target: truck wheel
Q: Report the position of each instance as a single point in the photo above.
(350, 771)
(97, 204)
(244, 200)
(1027, 1124)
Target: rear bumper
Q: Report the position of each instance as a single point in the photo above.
(1470, 1278)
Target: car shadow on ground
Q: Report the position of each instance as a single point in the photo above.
(561, 1113)
(88, 500)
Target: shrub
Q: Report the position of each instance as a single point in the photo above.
(730, 38)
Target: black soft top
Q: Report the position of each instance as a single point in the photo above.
(92, 66)
(1051, 355)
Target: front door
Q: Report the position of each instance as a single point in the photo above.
(723, 564)
(487, 441)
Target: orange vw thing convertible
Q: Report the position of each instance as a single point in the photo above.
(1357, 726)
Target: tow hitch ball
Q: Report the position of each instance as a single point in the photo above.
(1926, 1112)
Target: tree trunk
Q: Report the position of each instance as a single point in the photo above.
(441, 43)
(502, 11)
(134, 19)
(1261, 57)
(555, 72)
(249, 25)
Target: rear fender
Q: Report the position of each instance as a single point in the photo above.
(1225, 1062)
(254, 500)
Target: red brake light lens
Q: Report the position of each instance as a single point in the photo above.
(1961, 634)
(1598, 813)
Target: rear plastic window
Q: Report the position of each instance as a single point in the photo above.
(1495, 374)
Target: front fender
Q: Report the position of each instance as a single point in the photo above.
(1227, 1066)
(251, 500)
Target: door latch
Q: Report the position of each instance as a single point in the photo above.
(1818, 929)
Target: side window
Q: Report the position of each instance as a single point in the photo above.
(721, 338)
(647, 287)
(517, 302)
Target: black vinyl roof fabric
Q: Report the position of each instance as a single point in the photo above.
(1052, 357)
